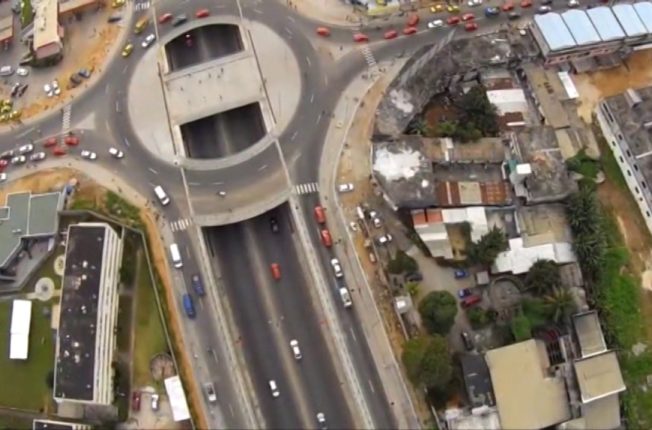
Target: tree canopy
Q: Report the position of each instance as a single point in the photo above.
(486, 250)
(402, 263)
(427, 361)
(438, 310)
(543, 277)
(587, 226)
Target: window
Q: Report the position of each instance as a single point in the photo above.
(629, 173)
(636, 167)
(620, 136)
(644, 185)
(613, 143)
(629, 154)
(637, 190)
(647, 213)
(621, 159)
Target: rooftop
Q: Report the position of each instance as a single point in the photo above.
(629, 20)
(554, 31)
(605, 23)
(632, 121)
(545, 223)
(599, 376)
(477, 380)
(539, 403)
(589, 334)
(53, 425)
(27, 216)
(46, 23)
(644, 11)
(581, 27)
(445, 150)
(77, 340)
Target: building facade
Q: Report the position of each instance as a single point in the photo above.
(88, 316)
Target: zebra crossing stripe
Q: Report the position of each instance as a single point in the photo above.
(311, 187)
(180, 224)
(65, 120)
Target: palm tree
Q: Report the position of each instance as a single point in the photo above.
(560, 302)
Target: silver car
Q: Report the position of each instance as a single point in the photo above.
(148, 41)
(39, 156)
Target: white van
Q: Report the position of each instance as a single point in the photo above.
(346, 297)
(176, 256)
(162, 196)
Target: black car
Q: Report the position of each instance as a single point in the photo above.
(7, 155)
(197, 285)
(22, 89)
(178, 20)
(84, 73)
(513, 16)
(546, 2)
(414, 277)
(273, 224)
(468, 343)
(15, 89)
(75, 79)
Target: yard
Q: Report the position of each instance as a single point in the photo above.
(24, 383)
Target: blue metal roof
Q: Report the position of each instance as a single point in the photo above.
(629, 20)
(554, 31)
(605, 23)
(581, 27)
(644, 11)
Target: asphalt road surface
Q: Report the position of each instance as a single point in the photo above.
(225, 133)
(203, 44)
(269, 314)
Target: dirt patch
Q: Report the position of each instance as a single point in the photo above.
(635, 73)
(438, 111)
(41, 182)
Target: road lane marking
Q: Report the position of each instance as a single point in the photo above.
(308, 61)
(308, 188)
(258, 11)
(217, 183)
(371, 386)
(263, 167)
(353, 335)
(312, 97)
(231, 410)
(291, 18)
(152, 170)
(126, 142)
(124, 69)
(326, 80)
(288, 31)
(294, 135)
(28, 131)
(117, 106)
(107, 89)
(193, 184)
(318, 119)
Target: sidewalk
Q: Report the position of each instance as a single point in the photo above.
(360, 94)
(333, 12)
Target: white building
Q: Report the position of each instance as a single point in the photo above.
(88, 315)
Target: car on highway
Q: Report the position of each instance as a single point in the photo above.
(18, 159)
(166, 17)
(471, 26)
(391, 34)
(542, 10)
(345, 296)
(439, 7)
(507, 6)
(179, 19)
(323, 31)
(88, 155)
(453, 20)
(3, 177)
(320, 215)
(275, 268)
(38, 156)
(526, 3)
(116, 153)
(296, 351)
(147, 42)
(453, 8)
(384, 239)
(321, 421)
(345, 188)
(135, 401)
(337, 268)
(59, 151)
(468, 17)
(71, 140)
(209, 388)
(202, 13)
(408, 31)
(438, 23)
(273, 224)
(25, 149)
(326, 238)
(274, 388)
(189, 306)
(127, 50)
(360, 37)
(197, 285)
(154, 403)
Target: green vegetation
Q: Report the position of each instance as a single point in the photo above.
(402, 263)
(10, 422)
(521, 327)
(438, 310)
(542, 277)
(26, 13)
(479, 318)
(30, 375)
(412, 288)
(80, 204)
(584, 165)
(485, 251)
(478, 117)
(427, 361)
(560, 304)
(120, 208)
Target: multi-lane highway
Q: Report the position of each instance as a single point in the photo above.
(266, 313)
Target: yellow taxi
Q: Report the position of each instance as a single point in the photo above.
(127, 50)
(118, 3)
(439, 7)
(16, 114)
(452, 8)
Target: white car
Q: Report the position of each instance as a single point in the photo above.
(210, 392)
(116, 153)
(48, 90)
(155, 398)
(573, 3)
(542, 10)
(89, 155)
(148, 41)
(38, 156)
(384, 240)
(22, 71)
(26, 149)
(376, 222)
(274, 388)
(345, 188)
(353, 226)
(438, 23)
(3, 177)
(321, 420)
(18, 159)
(337, 268)
(294, 346)
(345, 296)
(474, 3)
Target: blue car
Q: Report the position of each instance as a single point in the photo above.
(466, 292)
(461, 273)
(197, 285)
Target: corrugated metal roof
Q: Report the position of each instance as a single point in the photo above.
(629, 20)
(605, 23)
(581, 27)
(554, 31)
(644, 11)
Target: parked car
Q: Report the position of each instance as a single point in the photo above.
(360, 38)
(274, 388)
(26, 149)
(409, 31)
(155, 398)
(59, 151)
(128, 49)
(471, 300)
(466, 339)
(3, 177)
(468, 17)
(88, 155)
(85, 73)
(50, 141)
(337, 268)
(71, 140)
(18, 159)
(166, 17)
(391, 34)
(384, 240)
(179, 19)
(321, 420)
(345, 188)
(438, 23)
(542, 10)
(202, 13)
(453, 20)
(197, 285)
(413, 20)
(148, 41)
(38, 156)
(465, 292)
(507, 6)
(526, 3)
(471, 26)
(461, 273)
(273, 224)
(573, 3)
(320, 215)
(323, 31)
(414, 277)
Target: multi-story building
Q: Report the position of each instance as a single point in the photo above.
(626, 123)
(593, 39)
(88, 316)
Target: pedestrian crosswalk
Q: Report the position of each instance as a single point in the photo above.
(65, 120)
(311, 187)
(369, 58)
(143, 5)
(180, 224)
